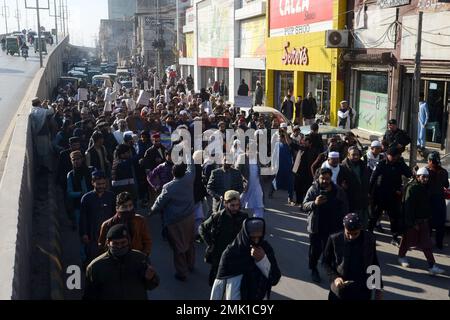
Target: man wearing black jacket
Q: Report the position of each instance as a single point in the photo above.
(385, 189)
(347, 257)
(120, 273)
(155, 155)
(395, 136)
(326, 205)
(64, 163)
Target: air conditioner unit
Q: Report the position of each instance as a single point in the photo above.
(337, 39)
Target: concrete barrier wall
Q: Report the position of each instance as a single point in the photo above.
(16, 187)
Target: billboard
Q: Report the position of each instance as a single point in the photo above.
(253, 34)
(214, 29)
(190, 17)
(289, 17)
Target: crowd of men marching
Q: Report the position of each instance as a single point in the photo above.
(114, 151)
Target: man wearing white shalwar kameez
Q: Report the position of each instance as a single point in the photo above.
(253, 197)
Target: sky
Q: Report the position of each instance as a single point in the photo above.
(84, 18)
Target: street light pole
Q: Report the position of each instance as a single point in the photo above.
(67, 17)
(37, 8)
(39, 34)
(416, 100)
(56, 20)
(5, 15)
(63, 17)
(18, 15)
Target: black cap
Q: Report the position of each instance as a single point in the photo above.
(97, 174)
(392, 121)
(352, 222)
(393, 151)
(74, 140)
(117, 232)
(434, 157)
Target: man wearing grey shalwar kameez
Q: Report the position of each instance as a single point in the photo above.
(41, 133)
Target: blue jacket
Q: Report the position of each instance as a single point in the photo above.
(175, 201)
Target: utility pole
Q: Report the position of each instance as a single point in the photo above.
(18, 16)
(416, 96)
(158, 52)
(67, 17)
(178, 27)
(5, 12)
(55, 15)
(37, 8)
(63, 15)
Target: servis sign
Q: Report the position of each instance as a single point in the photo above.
(295, 56)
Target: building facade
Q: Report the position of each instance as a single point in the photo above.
(298, 61)
(116, 40)
(225, 40)
(120, 9)
(156, 20)
(380, 65)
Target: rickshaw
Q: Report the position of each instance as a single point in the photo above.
(48, 37)
(43, 44)
(12, 46)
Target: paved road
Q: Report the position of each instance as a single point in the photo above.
(16, 75)
(287, 234)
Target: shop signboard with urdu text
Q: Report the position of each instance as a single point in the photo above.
(372, 112)
(289, 17)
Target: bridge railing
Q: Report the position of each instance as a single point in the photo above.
(16, 186)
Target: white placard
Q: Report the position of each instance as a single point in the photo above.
(146, 85)
(82, 94)
(131, 104)
(144, 98)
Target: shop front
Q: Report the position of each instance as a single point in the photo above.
(370, 97)
(435, 74)
(297, 62)
(435, 88)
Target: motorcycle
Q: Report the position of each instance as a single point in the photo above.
(25, 53)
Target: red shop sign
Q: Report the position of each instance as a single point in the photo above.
(296, 56)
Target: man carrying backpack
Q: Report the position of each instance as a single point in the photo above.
(220, 229)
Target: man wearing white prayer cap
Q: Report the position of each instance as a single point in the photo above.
(340, 174)
(418, 213)
(374, 155)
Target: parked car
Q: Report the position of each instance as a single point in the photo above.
(127, 84)
(99, 80)
(123, 74)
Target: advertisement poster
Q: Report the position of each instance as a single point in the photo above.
(253, 33)
(289, 17)
(214, 29)
(189, 45)
(373, 108)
